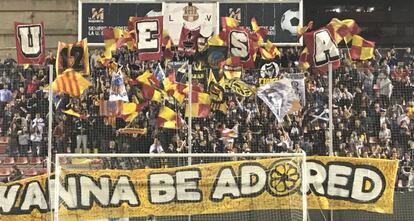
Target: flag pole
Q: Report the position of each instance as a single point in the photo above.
(49, 140)
(190, 95)
(330, 117)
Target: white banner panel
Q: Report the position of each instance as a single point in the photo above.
(192, 16)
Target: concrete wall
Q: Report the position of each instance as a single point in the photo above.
(60, 18)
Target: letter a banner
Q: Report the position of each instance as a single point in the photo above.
(336, 183)
(30, 43)
(148, 33)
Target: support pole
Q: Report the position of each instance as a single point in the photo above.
(49, 136)
(331, 126)
(190, 116)
(190, 93)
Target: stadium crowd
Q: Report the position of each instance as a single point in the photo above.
(373, 114)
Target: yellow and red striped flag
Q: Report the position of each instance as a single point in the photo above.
(269, 51)
(200, 105)
(219, 106)
(259, 31)
(167, 118)
(362, 49)
(71, 83)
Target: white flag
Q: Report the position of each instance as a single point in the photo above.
(279, 96)
(118, 91)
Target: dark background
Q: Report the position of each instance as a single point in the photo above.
(387, 22)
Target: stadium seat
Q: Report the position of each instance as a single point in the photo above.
(8, 161)
(22, 161)
(30, 172)
(3, 149)
(41, 171)
(35, 160)
(3, 140)
(5, 171)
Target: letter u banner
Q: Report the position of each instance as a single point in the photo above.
(333, 183)
(30, 43)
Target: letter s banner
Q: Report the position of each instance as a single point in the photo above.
(336, 183)
(30, 43)
(148, 34)
(73, 55)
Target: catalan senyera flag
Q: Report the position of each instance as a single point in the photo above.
(343, 29)
(362, 49)
(132, 131)
(71, 83)
(115, 38)
(228, 23)
(150, 93)
(269, 51)
(200, 105)
(148, 78)
(110, 108)
(168, 118)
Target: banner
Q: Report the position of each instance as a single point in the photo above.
(192, 15)
(30, 43)
(73, 55)
(336, 183)
(96, 16)
(240, 87)
(278, 96)
(298, 85)
(148, 34)
(118, 90)
(188, 40)
(280, 19)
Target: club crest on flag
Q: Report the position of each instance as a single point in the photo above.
(190, 13)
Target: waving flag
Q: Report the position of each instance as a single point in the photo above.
(228, 23)
(148, 78)
(118, 91)
(71, 83)
(279, 97)
(200, 105)
(150, 93)
(343, 29)
(362, 49)
(110, 108)
(269, 51)
(115, 38)
(167, 118)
